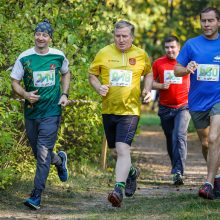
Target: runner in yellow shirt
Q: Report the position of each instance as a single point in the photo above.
(120, 67)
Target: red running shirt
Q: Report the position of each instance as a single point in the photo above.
(177, 94)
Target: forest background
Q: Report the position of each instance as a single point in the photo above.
(81, 29)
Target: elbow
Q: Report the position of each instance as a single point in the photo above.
(90, 78)
(154, 85)
(13, 84)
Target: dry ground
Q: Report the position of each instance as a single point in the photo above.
(150, 155)
(150, 152)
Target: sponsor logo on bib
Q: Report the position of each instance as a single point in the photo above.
(120, 77)
(208, 72)
(169, 77)
(44, 78)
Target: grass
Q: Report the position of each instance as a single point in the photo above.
(149, 119)
(152, 119)
(85, 198)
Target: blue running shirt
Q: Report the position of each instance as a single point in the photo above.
(204, 83)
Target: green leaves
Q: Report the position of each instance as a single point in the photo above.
(81, 29)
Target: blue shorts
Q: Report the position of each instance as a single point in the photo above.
(119, 128)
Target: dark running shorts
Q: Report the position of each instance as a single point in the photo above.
(201, 120)
(119, 128)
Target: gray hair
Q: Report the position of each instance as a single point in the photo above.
(122, 24)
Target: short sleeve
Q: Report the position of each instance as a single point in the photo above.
(147, 68)
(17, 71)
(65, 66)
(184, 55)
(95, 66)
(155, 70)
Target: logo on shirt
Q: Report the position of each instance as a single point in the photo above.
(132, 61)
(27, 67)
(116, 61)
(52, 66)
(217, 58)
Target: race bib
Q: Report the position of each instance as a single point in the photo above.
(44, 78)
(120, 77)
(208, 72)
(169, 77)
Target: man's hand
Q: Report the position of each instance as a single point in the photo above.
(31, 96)
(146, 96)
(165, 85)
(103, 90)
(191, 67)
(63, 101)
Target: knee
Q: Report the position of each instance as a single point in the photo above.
(180, 136)
(43, 155)
(204, 143)
(122, 150)
(213, 138)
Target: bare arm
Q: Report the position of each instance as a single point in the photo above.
(96, 84)
(158, 86)
(30, 96)
(148, 82)
(65, 87)
(180, 70)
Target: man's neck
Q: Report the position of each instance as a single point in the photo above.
(41, 50)
(212, 37)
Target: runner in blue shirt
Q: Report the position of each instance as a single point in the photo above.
(200, 57)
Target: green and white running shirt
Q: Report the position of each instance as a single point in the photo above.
(41, 72)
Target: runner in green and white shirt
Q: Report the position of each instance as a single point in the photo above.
(44, 71)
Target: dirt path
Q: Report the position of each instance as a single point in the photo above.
(151, 155)
(155, 181)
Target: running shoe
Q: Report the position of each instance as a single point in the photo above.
(34, 201)
(131, 183)
(177, 179)
(62, 169)
(206, 191)
(116, 197)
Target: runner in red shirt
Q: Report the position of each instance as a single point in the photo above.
(173, 106)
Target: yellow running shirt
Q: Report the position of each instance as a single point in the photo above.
(122, 71)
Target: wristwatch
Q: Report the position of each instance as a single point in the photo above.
(65, 94)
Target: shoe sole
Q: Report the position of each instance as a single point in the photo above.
(114, 200)
(138, 174)
(178, 183)
(31, 206)
(206, 196)
(65, 165)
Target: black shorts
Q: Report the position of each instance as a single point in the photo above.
(119, 128)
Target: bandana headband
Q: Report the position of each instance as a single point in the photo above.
(44, 27)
